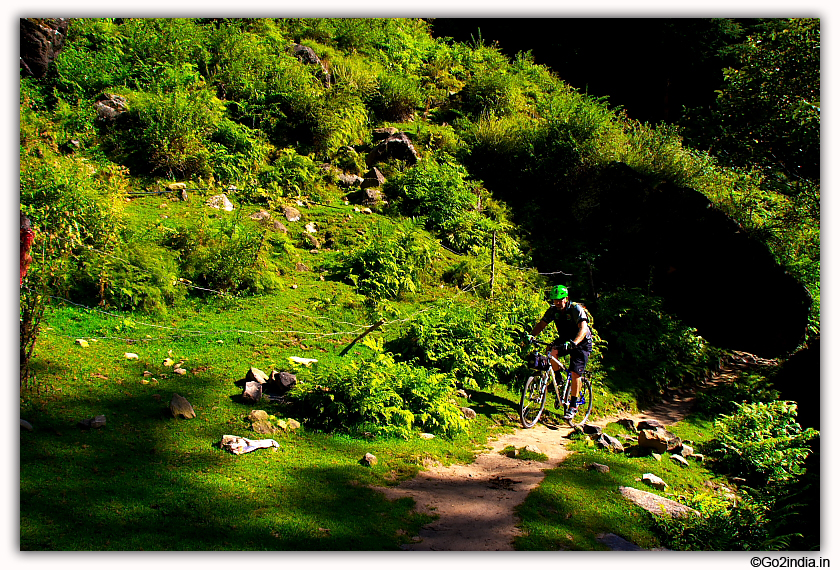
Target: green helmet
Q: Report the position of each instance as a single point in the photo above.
(558, 292)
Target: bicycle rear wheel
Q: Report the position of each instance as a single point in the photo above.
(532, 404)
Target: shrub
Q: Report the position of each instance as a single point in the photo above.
(762, 442)
(223, 254)
(389, 266)
(378, 395)
(172, 125)
(289, 175)
(478, 345)
(397, 97)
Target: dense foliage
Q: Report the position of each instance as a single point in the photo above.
(230, 106)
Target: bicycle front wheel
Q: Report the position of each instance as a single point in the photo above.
(532, 404)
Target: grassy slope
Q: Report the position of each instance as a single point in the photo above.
(119, 486)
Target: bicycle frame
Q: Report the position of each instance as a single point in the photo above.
(564, 400)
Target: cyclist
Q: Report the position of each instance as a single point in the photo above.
(572, 323)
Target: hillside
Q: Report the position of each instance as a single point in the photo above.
(378, 212)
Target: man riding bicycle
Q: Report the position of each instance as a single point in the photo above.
(571, 322)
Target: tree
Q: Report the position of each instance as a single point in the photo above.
(768, 111)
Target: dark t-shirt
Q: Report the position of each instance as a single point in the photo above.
(568, 321)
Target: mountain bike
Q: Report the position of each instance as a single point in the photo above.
(535, 392)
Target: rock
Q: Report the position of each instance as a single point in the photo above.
(179, 370)
(252, 392)
(369, 460)
(592, 430)
(26, 425)
(373, 179)
(656, 456)
(628, 424)
(685, 450)
(176, 186)
(291, 214)
(310, 228)
(110, 108)
(168, 362)
(94, 422)
(469, 413)
(261, 215)
(609, 442)
(654, 481)
(220, 202)
(531, 448)
(616, 543)
(256, 375)
(463, 394)
(263, 426)
(293, 424)
(82, 342)
(258, 415)
(655, 504)
(41, 39)
(599, 467)
(278, 226)
(680, 459)
(653, 440)
(282, 381)
(350, 180)
(650, 425)
(179, 406)
(396, 146)
(383, 133)
(698, 456)
(427, 436)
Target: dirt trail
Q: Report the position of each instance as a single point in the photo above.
(476, 502)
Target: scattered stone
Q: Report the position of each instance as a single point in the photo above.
(256, 375)
(680, 459)
(94, 422)
(592, 430)
(293, 424)
(650, 424)
(258, 415)
(82, 342)
(616, 543)
(655, 504)
(179, 406)
(654, 481)
(252, 392)
(599, 467)
(656, 456)
(367, 211)
(179, 370)
(628, 424)
(278, 226)
(110, 108)
(176, 186)
(463, 394)
(530, 448)
(396, 145)
(469, 413)
(654, 440)
(685, 450)
(261, 215)
(26, 425)
(310, 228)
(350, 180)
(220, 202)
(610, 443)
(369, 460)
(698, 456)
(427, 436)
(282, 381)
(292, 214)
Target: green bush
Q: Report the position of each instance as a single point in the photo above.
(397, 97)
(380, 396)
(223, 254)
(389, 266)
(725, 398)
(762, 442)
(289, 175)
(480, 345)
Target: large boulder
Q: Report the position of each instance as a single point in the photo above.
(110, 108)
(41, 39)
(397, 146)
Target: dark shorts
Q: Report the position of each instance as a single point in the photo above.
(579, 356)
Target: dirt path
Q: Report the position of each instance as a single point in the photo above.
(476, 502)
